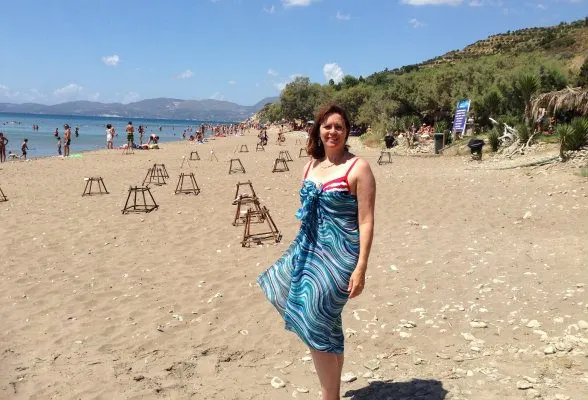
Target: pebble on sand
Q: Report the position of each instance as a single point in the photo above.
(348, 377)
(277, 382)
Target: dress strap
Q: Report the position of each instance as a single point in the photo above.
(347, 174)
(308, 168)
(350, 167)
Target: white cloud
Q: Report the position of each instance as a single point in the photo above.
(34, 95)
(541, 6)
(232, 82)
(111, 61)
(269, 10)
(6, 92)
(94, 97)
(185, 75)
(30, 95)
(482, 3)
(297, 3)
(334, 72)
(281, 85)
(272, 72)
(69, 92)
(415, 23)
(131, 97)
(217, 96)
(432, 2)
(343, 17)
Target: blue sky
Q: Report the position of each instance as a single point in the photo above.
(234, 50)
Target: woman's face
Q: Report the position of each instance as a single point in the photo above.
(333, 132)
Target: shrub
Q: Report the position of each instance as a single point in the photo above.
(578, 137)
(565, 132)
(441, 126)
(524, 133)
(511, 120)
(493, 136)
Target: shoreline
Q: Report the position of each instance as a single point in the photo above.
(467, 266)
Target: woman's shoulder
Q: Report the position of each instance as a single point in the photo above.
(360, 166)
(309, 163)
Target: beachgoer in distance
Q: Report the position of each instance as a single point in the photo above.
(109, 136)
(56, 133)
(153, 139)
(540, 119)
(24, 147)
(141, 131)
(3, 143)
(58, 145)
(130, 135)
(77, 132)
(326, 264)
(66, 140)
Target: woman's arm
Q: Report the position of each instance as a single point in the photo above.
(365, 189)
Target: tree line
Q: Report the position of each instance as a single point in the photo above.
(499, 85)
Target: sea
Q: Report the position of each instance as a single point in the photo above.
(92, 131)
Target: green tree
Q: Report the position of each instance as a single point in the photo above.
(349, 81)
(526, 86)
(551, 79)
(352, 99)
(299, 99)
(274, 113)
(489, 105)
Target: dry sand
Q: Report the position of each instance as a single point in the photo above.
(474, 276)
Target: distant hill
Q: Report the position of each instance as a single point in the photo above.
(563, 41)
(166, 108)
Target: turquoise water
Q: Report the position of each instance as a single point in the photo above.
(92, 131)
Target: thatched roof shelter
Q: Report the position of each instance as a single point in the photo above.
(568, 99)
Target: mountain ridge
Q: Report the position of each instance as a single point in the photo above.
(158, 108)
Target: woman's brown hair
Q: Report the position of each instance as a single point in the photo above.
(314, 146)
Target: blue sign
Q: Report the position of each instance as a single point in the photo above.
(461, 116)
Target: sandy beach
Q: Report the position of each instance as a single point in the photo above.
(476, 285)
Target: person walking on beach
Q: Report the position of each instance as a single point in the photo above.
(67, 140)
(326, 264)
(141, 131)
(130, 135)
(3, 143)
(24, 147)
(58, 145)
(109, 136)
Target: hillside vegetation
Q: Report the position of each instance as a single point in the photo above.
(499, 74)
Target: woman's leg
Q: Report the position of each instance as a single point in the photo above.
(328, 368)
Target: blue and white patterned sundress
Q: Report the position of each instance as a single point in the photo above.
(308, 284)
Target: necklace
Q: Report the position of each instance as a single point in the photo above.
(341, 160)
(332, 164)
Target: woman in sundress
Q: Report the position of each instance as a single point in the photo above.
(326, 264)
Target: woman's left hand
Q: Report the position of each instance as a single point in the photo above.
(356, 282)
